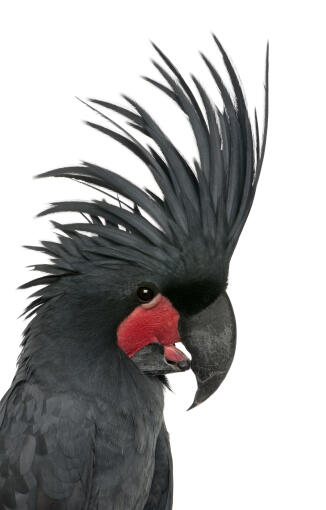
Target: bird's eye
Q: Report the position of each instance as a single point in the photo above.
(145, 294)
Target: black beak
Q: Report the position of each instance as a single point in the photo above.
(210, 337)
(151, 361)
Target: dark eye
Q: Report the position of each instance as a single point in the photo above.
(145, 294)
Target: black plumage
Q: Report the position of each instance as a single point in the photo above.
(82, 425)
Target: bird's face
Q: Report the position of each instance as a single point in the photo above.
(162, 315)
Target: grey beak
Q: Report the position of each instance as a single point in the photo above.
(210, 337)
(151, 361)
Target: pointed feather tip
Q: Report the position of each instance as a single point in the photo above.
(156, 48)
(87, 101)
(218, 44)
(196, 81)
(93, 125)
(215, 38)
(42, 213)
(267, 56)
(41, 175)
(162, 55)
(203, 56)
(126, 97)
(130, 100)
(56, 224)
(48, 173)
(83, 101)
(147, 79)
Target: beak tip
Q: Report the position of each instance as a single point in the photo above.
(184, 365)
(197, 400)
(193, 405)
(210, 337)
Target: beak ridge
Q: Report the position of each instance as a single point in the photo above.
(210, 337)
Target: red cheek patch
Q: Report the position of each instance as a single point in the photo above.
(145, 325)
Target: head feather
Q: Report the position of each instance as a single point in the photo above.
(203, 207)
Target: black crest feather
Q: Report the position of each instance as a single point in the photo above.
(206, 203)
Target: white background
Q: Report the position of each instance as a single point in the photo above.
(259, 442)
